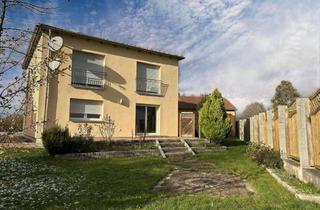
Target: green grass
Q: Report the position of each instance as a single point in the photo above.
(58, 184)
(296, 183)
(30, 179)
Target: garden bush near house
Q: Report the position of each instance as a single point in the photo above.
(214, 123)
(264, 155)
(106, 128)
(57, 140)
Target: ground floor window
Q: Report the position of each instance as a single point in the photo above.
(146, 119)
(85, 109)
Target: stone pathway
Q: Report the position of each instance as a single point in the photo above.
(194, 177)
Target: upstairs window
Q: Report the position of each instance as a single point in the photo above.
(85, 109)
(148, 78)
(87, 69)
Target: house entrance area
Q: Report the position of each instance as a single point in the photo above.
(187, 124)
(146, 119)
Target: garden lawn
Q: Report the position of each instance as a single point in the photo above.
(31, 179)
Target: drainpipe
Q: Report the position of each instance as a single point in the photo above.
(47, 86)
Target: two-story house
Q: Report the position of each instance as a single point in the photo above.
(136, 87)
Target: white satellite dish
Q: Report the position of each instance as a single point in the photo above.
(53, 65)
(55, 43)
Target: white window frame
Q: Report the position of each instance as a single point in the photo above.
(157, 120)
(156, 80)
(85, 115)
(86, 85)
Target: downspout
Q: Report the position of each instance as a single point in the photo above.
(47, 86)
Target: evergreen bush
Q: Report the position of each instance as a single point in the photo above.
(214, 123)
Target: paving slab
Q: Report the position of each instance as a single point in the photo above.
(192, 176)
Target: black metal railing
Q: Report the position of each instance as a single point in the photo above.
(87, 78)
(149, 86)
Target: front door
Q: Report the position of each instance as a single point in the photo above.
(146, 119)
(187, 124)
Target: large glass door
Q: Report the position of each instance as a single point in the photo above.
(146, 119)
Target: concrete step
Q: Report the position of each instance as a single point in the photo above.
(174, 149)
(197, 141)
(170, 154)
(208, 149)
(202, 144)
(171, 144)
(169, 141)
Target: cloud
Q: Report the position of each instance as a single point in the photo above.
(243, 47)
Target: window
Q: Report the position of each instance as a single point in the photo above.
(85, 110)
(146, 119)
(148, 78)
(87, 69)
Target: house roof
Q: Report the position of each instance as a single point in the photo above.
(191, 103)
(43, 27)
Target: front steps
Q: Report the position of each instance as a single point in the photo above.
(202, 145)
(171, 148)
(185, 147)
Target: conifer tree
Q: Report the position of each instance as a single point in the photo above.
(214, 123)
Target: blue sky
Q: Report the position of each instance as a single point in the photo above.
(243, 47)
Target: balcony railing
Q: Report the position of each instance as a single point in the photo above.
(149, 86)
(87, 78)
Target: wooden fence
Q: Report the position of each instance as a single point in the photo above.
(275, 131)
(265, 138)
(315, 127)
(291, 131)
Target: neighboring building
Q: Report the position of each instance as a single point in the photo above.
(137, 87)
(188, 115)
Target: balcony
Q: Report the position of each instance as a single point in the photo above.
(87, 78)
(150, 87)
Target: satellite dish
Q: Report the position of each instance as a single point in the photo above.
(53, 65)
(55, 43)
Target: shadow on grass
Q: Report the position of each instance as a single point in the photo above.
(233, 142)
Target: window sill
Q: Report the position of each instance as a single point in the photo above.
(147, 134)
(85, 120)
(149, 93)
(87, 87)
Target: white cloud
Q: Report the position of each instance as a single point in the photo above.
(244, 48)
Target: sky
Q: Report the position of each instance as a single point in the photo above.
(242, 47)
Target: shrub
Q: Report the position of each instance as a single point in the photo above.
(214, 123)
(57, 140)
(106, 128)
(264, 155)
(54, 139)
(79, 144)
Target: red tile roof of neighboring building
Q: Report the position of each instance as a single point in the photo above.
(191, 102)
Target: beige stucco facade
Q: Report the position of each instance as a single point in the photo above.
(118, 96)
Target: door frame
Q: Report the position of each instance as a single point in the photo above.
(157, 107)
(193, 123)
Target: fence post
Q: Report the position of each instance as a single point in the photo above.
(261, 127)
(303, 127)
(256, 129)
(251, 129)
(241, 129)
(282, 116)
(270, 132)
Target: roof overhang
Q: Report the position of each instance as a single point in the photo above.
(39, 28)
